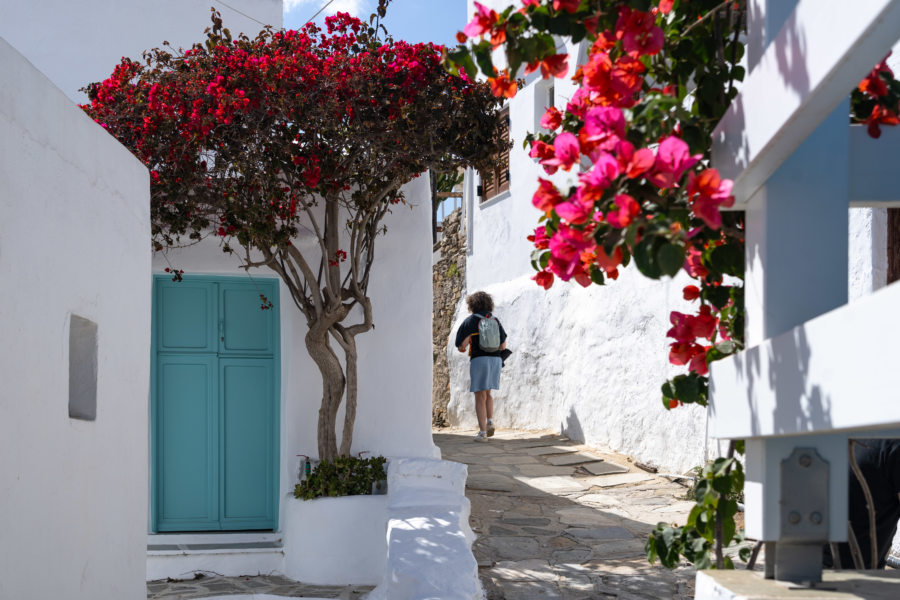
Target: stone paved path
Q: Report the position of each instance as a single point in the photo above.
(550, 526)
(275, 585)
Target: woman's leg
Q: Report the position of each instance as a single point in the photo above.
(480, 403)
(489, 405)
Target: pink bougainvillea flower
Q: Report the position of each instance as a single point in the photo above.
(599, 178)
(566, 150)
(546, 196)
(673, 158)
(578, 105)
(539, 238)
(575, 210)
(643, 42)
(566, 247)
(482, 21)
(531, 2)
(544, 279)
(569, 6)
(693, 263)
(626, 209)
(704, 324)
(698, 361)
(634, 163)
(680, 353)
(708, 192)
(604, 125)
(681, 330)
(665, 6)
(552, 119)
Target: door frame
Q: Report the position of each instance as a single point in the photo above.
(276, 388)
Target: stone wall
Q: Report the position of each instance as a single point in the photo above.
(449, 287)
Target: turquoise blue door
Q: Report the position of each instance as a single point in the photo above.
(215, 404)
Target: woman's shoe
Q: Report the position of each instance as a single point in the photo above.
(481, 437)
(490, 430)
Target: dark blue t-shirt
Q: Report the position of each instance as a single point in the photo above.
(470, 327)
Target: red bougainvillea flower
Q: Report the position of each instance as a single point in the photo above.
(634, 163)
(681, 330)
(546, 196)
(691, 292)
(543, 152)
(544, 279)
(604, 125)
(673, 158)
(627, 208)
(680, 353)
(566, 151)
(608, 263)
(566, 247)
(704, 324)
(598, 179)
(873, 84)
(880, 116)
(639, 33)
(482, 22)
(596, 73)
(708, 192)
(556, 66)
(576, 210)
(552, 119)
(698, 362)
(569, 6)
(502, 86)
(665, 6)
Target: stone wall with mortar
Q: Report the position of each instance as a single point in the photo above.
(449, 287)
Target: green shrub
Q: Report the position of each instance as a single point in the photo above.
(345, 476)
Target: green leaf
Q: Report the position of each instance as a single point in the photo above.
(670, 258)
(597, 275)
(482, 52)
(645, 258)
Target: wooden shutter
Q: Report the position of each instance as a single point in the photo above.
(893, 245)
(496, 180)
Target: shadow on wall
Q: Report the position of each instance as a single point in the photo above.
(571, 427)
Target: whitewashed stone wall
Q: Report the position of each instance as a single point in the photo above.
(74, 230)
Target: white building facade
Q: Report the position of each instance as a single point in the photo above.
(589, 362)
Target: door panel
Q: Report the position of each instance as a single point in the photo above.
(246, 327)
(190, 316)
(187, 443)
(247, 443)
(215, 404)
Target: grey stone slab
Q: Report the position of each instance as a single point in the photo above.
(497, 530)
(575, 458)
(618, 549)
(546, 450)
(586, 517)
(530, 590)
(527, 521)
(539, 531)
(534, 569)
(554, 484)
(600, 533)
(514, 547)
(490, 482)
(515, 460)
(574, 555)
(604, 468)
(544, 470)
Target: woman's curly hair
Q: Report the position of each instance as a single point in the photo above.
(480, 302)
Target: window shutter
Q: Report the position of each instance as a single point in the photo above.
(496, 181)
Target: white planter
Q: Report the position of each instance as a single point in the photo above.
(336, 541)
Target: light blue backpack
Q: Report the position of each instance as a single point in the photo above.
(488, 333)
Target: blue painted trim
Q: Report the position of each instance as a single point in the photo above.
(273, 284)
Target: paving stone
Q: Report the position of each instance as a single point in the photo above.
(587, 516)
(515, 460)
(554, 484)
(575, 458)
(544, 470)
(490, 482)
(613, 480)
(562, 541)
(600, 533)
(546, 450)
(531, 590)
(652, 501)
(678, 507)
(618, 549)
(598, 499)
(524, 570)
(497, 530)
(604, 468)
(539, 531)
(514, 547)
(575, 555)
(529, 521)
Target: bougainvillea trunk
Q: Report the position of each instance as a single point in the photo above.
(333, 383)
(351, 370)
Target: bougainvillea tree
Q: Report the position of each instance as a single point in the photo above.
(635, 138)
(308, 132)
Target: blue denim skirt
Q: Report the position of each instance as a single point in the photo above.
(484, 373)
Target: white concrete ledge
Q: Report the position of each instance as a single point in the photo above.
(837, 372)
(836, 585)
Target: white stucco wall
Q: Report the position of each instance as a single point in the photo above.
(394, 405)
(76, 43)
(74, 228)
(868, 251)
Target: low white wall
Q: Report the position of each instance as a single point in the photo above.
(74, 240)
(335, 541)
(588, 362)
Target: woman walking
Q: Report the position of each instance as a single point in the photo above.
(478, 335)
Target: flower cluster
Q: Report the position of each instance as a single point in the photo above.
(876, 100)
